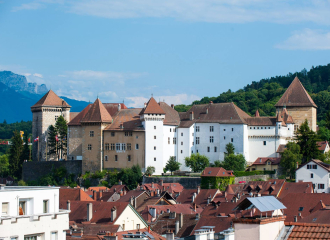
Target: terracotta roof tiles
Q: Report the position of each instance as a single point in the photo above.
(152, 108)
(126, 120)
(51, 99)
(97, 113)
(171, 115)
(73, 194)
(264, 160)
(217, 172)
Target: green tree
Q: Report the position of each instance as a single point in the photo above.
(235, 162)
(172, 165)
(150, 170)
(26, 149)
(323, 134)
(51, 141)
(290, 157)
(216, 163)
(15, 153)
(197, 162)
(131, 177)
(327, 120)
(62, 130)
(230, 149)
(4, 165)
(306, 139)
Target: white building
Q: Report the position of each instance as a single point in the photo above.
(317, 172)
(32, 213)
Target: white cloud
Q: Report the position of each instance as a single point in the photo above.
(307, 39)
(223, 11)
(177, 99)
(38, 75)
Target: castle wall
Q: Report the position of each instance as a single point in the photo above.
(125, 157)
(74, 142)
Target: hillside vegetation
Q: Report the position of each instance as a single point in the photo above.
(264, 94)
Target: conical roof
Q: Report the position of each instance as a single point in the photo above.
(152, 108)
(97, 114)
(296, 96)
(51, 99)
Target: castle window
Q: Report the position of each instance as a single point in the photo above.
(181, 143)
(91, 133)
(215, 149)
(154, 147)
(181, 151)
(155, 159)
(129, 147)
(117, 146)
(106, 158)
(123, 146)
(174, 129)
(224, 137)
(107, 146)
(129, 158)
(174, 140)
(265, 143)
(169, 140)
(208, 149)
(89, 146)
(170, 129)
(136, 146)
(128, 134)
(181, 134)
(197, 128)
(211, 129)
(154, 127)
(112, 134)
(56, 117)
(155, 137)
(197, 140)
(312, 175)
(116, 158)
(112, 147)
(232, 129)
(211, 139)
(232, 139)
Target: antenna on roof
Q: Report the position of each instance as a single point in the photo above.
(123, 101)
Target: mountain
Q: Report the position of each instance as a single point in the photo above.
(18, 95)
(264, 94)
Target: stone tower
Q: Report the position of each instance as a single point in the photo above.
(298, 104)
(93, 123)
(45, 113)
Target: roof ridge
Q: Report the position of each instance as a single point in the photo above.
(97, 113)
(239, 116)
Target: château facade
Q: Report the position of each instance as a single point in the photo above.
(109, 135)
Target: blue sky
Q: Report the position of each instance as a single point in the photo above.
(177, 50)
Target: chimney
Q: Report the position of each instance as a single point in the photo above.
(169, 235)
(197, 216)
(177, 228)
(101, 193)
(113, 213)
(94, 195)
(163, 188)
(211, 102)
(191, 115)
(89, 211)
(209, 199)
(148, 228)
(172, 105)
(297, 165)
(152, 212)
(207, 110)
(124, 192)
(295, 219)
(172, 215)
(115, 190)
(198, 189)
(193, 198)
(180, 220)
(299, 214)
(121, 192)
(119, 107)
(145, 105)
(152, 185)
(68, 205)
(110, 236)
(120, 182)
(141, 188)
(161, 182)
(157, 192)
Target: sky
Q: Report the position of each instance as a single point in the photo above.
(175, 50)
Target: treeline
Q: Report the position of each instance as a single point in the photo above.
(7, 130)
(264, 94)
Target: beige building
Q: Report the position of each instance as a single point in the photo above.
(299, 104)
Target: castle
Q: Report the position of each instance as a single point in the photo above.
(110, 135)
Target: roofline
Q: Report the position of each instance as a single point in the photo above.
(138, 214)
(313, 160)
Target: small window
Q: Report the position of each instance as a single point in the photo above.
(320, 186)
(312, 175)
(128, 134)
(117, 146)
(197, 128)
(138, 226)
(112, 134)
(208, 149)
(268, 163)
(264, 143)
(116, 158)
(314, 166)
(89, 146)
(154, 147)
(106, 158)
(181, 143)
(155, 137)
(192, 143)
(155, 159)
(91, 133)
(181, 151)
(107, 147)
(308, 166)
(123, 146)
(136, 146)
(174, 140)
(224, 129)
(224, 137)
(197, 140)
(300, 209)
(45, 206)
(154, 127)
(197, 151)
(129, 158)
(129, 147)
(174, 129)
(262, 128)
(170, 129)
(5, 208)
(22, 207)
(232, 139)
(192, 134)
(232, 129)
(182, 134)
(112, 147)
(215, 149)
(211, 139)
(136, 136)
(169, 140)
(211, 128)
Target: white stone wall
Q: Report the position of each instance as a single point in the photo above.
(320, 176)
(257, 231)
(169, 149)
(235, 132)
(130, 219)
(185, 145)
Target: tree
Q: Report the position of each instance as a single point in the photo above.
(4, 164)
(26, 150)
(62, 130)
(172, 165)
(323, 134)
(235, 162)
(230, 149)
(131, 177)
(290, 157)
(197, 162)
(306, 139)
(150, 170)
(216, 163)
(327, 120)
(15, 153)
(52, 142)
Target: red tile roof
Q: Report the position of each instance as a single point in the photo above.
(126, 120)
(112, 108)
(309, 231)
(264, 160)
(169, 187)
(171, 115)
(295, 187)
(97, 114)
(74, 194)
(151, 232)
(152, 108)
(51, 99)
(261, 121)
(296, 95)
(281, 148)
(201, 199)
(318, 162)
(322, 145)
(220, 223)
(132, 193)
(76, 120)
(98, 189)
(217, 172)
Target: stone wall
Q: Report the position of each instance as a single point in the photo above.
(252, 177)
(34, 170)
